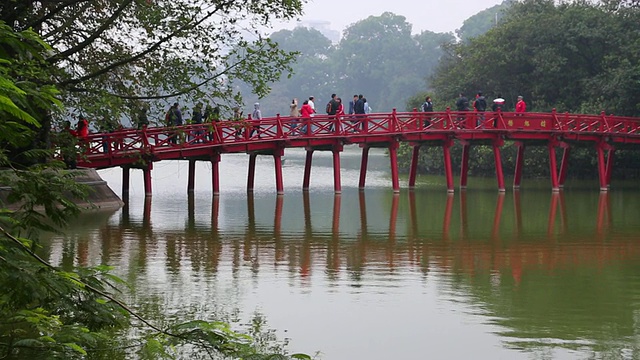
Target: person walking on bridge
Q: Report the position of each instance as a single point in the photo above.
(358, 109)
(294, 114)
(521, 106)
(498, 106)
(352, 105)
(306, 112)
(173, 118)
(256, 115)
(427, 107)
(462, 104)
(312, 105)
(480, 105)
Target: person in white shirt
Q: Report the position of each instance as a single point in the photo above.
(313, 106)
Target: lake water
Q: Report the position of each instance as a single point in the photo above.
(373, 275)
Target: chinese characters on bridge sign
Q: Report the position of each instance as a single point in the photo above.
(526, 123)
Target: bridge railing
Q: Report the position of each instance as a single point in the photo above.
(137, 142)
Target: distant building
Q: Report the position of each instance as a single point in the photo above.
(323, 27)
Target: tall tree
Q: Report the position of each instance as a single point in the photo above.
(481, 22)
(311, 75)
(111, 55)
(378, 57)
(572, 56)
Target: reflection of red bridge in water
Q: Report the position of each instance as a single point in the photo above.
(270, 136)
(501, 245)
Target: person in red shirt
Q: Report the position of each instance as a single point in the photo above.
(306, 111)
(340, 111)
(521, 106)
(82, 128)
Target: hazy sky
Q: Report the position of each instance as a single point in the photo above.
(433, 15)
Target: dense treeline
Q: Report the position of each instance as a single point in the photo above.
(378, 57)
(575, 56)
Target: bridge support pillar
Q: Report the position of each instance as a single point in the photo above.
(147, 179)
(553, 166)
(464, 166)
(446, 148)
(610, 155)
(498, 161)
(393, 156)
(251, 172)
(337, 186)
(413, 172)
(192, 176)
(277, 159)
(307, 170)
(363, 167)
(517, 176)
(126, 173)
(564, 166)
(605, 165)
(215, 173)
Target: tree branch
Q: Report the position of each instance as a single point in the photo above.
(145, 52)
(38, 22)
(93, 36)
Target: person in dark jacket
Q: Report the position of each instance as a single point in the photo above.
(481, 106)
(462, 104)
(427, 106)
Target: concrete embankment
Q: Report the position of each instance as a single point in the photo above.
(100, 196)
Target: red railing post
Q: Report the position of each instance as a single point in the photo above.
(279, 131)
(247, 128)
(448, 122)
(605, 122)
(393, 122)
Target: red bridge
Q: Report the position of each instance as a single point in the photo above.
(270, 136)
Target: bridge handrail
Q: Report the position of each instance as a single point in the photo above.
(154, 140)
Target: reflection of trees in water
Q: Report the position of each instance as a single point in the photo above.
(476, 236)
(533, 265)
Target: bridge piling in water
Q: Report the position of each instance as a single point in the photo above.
(277, 162)
(393, 156)
(564, 166)
(446, 148)
(605, 164)
(413, 171)
(464, 166)
(215, 173)
(498, 160)
(307, 170)
(147, 179)
(517, 176)
(251, 173)
(192, 176)
(337, 186)
(363, 167)
(126, 174)
(553, 167)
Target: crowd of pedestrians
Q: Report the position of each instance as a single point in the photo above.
(356, 107)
